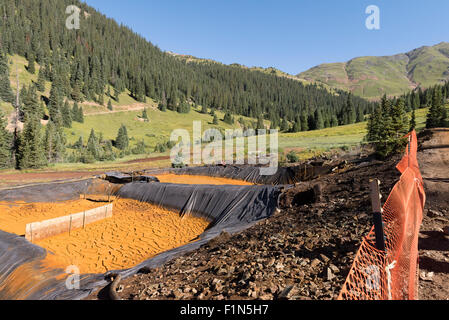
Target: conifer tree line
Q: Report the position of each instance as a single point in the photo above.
(85, 64)
(389, 121)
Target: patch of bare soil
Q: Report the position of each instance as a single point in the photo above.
(434, 238)
(153, 159)
(117, 109)
(16, 179)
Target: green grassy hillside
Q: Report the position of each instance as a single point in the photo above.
(157, 130)
(372, 77)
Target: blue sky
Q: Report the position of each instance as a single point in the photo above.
(291, 35)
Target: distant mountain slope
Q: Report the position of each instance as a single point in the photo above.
(371, 77)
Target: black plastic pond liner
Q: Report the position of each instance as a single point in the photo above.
(122, 178)
(47, 192)
(223, 205)
(229, 208)
(283, 176)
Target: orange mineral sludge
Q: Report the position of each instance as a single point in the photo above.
(15, 216)
(191, 179)
(136, 232)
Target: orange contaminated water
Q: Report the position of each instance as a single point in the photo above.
(137, 231)
(190, 179)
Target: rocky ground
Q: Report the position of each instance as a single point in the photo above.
(434, 236)
(305, 251)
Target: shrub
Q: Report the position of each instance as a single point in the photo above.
(292, 157)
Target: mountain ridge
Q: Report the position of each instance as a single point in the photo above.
(372, 76)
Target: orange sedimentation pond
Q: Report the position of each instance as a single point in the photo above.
(136, 231)
(191, 179)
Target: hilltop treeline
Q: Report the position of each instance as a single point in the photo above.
(102, 55)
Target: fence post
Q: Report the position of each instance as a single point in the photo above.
(409, 149)
(377, 214)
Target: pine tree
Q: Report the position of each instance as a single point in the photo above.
(228, 118)
(360, 116)
(122, 140)
(60, 142)
(110, 105)
(108, 154)
(387, 126)
(101, 99)
(413, 118)
(304, 121)
(31, 153)
(375, 126)
(334, 121)
(40, 84)
(30, 106)
(296, 126)
(79, 144)
(400, 122)
(349, 114)
(400, 125)
(66, 115)
(80, 115)
(215, 120)
(285, 127)
(433, 117)
(319, 123)
(163, 103)
(6, 93)
(145, 115)
(5, 144)
(31, 67)
(260, 125)
(93, 146)
(49, 141)
(162, 107)
(75, 112)
(55, 103)
(116, 95)
(416, 104)
(76, 93)
(437, 115)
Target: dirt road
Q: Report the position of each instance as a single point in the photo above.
(433, 243)
(18, 178)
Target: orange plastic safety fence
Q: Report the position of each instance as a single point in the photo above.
(393, 274)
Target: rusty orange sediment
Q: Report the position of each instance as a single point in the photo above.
(15, 216)
(136, 232)
(193, 179)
